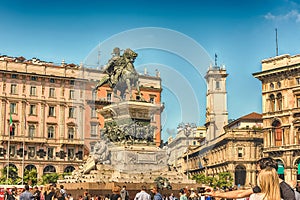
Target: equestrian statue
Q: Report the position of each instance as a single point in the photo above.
(120, 73)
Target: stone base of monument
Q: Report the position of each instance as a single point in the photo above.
(138, 158)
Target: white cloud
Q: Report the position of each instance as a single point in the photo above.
(292, 15)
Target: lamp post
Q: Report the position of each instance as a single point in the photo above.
(187, 129)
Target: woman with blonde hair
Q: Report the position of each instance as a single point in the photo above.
(268, 181)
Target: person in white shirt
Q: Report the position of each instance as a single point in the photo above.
(142, 195)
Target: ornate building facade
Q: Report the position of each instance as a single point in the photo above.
(233, 147)
(52, 110)
(280, 77)
(235, 151)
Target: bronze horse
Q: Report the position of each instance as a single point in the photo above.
(121, 75)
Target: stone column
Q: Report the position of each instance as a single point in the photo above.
(288, 168)
(3, 116)
(42, 120)
(62, 122)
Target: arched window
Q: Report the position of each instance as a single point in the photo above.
(272, 103)
(271, 86)
(278, 84)
(279, 101)
(50, 132)
(277, 133)
(71, 132)
(30, 167)
(240, 175)
(49, 169)
(69, 169)
(12, 171)
(31, 130)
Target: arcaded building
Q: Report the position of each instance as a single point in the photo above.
(53, 111)
(228, 147)
(280, 78)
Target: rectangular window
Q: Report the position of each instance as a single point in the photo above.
(13, 89)
(51, 80)
(50, 152)
(108, 96)
(32, 109)
(240, 152)
(31, 152)
(93, 113)
(72, 82)
(31, 131)
(298, 102)
(71, 112)
(52, 92)
(217, 84)
(71, 154)
(14, 76)
(151, 99)
(298, 81)
(51, 132)
(94, 130)
(13, 108)
(278, 137)
(51, 111)
(33, 78)
(72, 94)
(33, 91)
(12, 150)
(71, 133)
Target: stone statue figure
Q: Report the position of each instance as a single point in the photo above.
(120, 73)
(100, 155)
(101, 152)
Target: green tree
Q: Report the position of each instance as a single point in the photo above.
(30, 176)
(224, 179)
(49, 178)
(200, 178)
(13, 178)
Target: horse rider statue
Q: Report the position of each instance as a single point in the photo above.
(120, 72)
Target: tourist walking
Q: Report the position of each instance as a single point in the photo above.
(124, 193)
(142, 195)
(157, 195)
(36, 193)
(115, 193)
(182, 194)
(26, 195)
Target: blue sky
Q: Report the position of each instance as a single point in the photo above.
(241, 33)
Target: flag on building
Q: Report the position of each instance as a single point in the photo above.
(10, 124)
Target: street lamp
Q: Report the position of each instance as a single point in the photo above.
(187, 129)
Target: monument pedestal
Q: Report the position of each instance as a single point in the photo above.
(138, 158)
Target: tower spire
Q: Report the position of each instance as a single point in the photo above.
(276, 42)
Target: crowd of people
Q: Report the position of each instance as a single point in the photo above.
(269, 187)
(49, 192)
